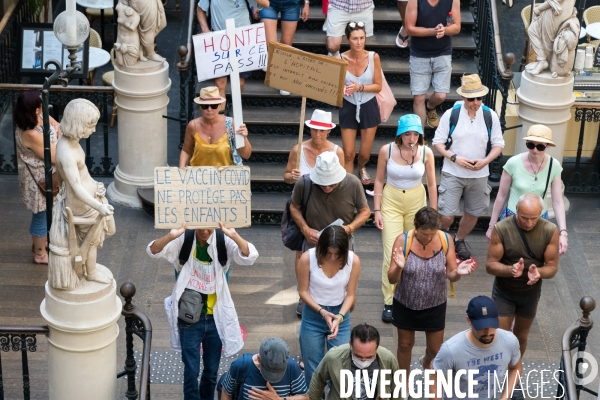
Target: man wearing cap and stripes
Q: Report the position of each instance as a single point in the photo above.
(493, 352)
(469, 137)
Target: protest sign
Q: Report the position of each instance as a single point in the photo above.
(212, 51)
(306, 74)
(201, 197)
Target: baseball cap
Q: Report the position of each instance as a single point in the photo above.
(274, 354)
(483, 313)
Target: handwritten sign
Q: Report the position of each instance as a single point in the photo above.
(212, 51)
(306, 74)
(201, 197)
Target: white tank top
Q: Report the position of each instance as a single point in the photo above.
(304, 167)
(328, 291)
(405, 176)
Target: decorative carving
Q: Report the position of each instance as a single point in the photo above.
(554, 20)
(81, 218)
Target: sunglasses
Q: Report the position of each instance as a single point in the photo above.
(472, 99)
(354, 25)
(539, 147)
(213, 106)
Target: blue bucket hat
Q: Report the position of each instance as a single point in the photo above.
(409, 122)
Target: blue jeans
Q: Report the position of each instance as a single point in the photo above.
(37, 227)
(313, 335)
(192, 335)
(289, 9)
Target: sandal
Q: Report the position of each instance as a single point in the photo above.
(400, 39)
(365, 178)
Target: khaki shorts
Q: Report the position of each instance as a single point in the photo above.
(475, 191)
(337, 19)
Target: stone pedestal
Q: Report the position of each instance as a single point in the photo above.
(547, 101)
(82, 352)
(141, 98)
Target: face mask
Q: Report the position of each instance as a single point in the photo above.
(362, 364)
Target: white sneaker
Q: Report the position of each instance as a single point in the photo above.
(284, 93)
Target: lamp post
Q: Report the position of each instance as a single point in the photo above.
(71, 28)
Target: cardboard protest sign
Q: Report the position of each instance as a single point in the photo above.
(212, 51)
(201, 197)
(306, 74)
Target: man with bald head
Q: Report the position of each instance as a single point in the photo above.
(523, 251)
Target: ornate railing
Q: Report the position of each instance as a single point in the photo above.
(101, 96)
(577, 183)
(494, 67)
(187, 75)
(570, 378)
(23, 339)
(136, 323)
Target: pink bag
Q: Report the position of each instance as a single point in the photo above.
(385, 98)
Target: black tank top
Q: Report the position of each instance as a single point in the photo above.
(430, 17)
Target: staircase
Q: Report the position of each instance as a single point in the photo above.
(273, 119)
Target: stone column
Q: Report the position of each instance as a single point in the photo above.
(545, 100)
(141, 98)
(82, 348)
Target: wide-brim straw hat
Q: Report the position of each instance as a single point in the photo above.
(209, 95)
(540, 134)
(328, 170)
(320, 120)
(472, 87)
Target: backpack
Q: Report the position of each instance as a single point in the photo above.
(186, 249)
(408, 239)
(290, 232)
(240, 379)
(487, 117)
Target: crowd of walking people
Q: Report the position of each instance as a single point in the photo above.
(329, 205)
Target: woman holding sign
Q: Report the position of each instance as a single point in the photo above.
(360, 111)
(210, 139)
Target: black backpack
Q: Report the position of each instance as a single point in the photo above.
(240, 379)
(186, 249)
(290, 232)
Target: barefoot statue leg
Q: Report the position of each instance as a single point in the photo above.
(92, 272)
(538, 67)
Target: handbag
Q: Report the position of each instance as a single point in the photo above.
(190, 306)
(42, 184)
(385, 98)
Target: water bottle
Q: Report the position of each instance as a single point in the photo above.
(449, 19)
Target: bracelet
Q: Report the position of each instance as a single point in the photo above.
(351, 228)
(362, 88)
(565, 235)
(320, 310)
(376, 210)
(563, 230)
(341, 318)
(377, 194)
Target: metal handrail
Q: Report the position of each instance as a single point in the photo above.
(505, 73)
(576, 334)
(186, 51)
(24, 330)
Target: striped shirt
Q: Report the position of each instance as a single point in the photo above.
(291, 384)
(351, 6)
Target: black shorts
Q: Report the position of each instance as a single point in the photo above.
(428, 320)
(369, 115)
(523, 304)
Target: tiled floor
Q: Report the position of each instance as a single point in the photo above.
(265, 295)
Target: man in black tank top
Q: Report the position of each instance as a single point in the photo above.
(430, 25)
(523, 251)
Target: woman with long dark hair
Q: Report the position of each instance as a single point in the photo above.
(327, 279)
(29, 139)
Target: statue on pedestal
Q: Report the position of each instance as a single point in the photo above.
(81, 217)
(548, 22)
(148, 21)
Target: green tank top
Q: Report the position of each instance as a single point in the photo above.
(538, 239)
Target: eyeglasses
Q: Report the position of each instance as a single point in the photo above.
(539, 147)
(354, 25)
(472, 99)
(213, 106)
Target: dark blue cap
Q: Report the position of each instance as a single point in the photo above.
(483, 313)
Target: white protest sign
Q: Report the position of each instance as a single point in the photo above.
(201, 197)
(212, 51)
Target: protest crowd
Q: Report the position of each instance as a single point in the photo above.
(329, 204)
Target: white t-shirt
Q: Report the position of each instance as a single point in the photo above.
(469, 140)
(202, 277)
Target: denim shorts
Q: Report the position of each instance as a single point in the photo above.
(289, 9)
(37, 227)
(434, 71)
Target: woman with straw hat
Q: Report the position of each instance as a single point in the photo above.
(532, 172)
(210, 139)
(404, 162)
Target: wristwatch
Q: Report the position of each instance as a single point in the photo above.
(453, 158)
